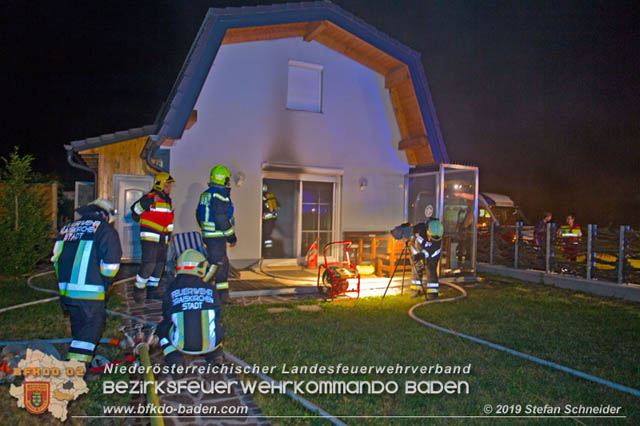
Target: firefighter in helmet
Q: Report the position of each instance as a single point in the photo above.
(192, 312)
(86, 257)
(269, 216)
(215, 217)
(425, 250)
(155, 214)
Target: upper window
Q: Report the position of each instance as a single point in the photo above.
(304, 91)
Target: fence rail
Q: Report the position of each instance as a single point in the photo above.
(607, 254)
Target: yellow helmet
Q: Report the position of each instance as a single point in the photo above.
(220, 175)
(435, 229)
(192, 262)
(161, 179)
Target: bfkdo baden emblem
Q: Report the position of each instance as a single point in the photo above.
(36, 397)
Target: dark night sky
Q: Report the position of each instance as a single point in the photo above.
(543, 96)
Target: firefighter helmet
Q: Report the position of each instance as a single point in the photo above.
(220, 175)
(105, 205)
(161, 179)
(435, 229)
(192, 262)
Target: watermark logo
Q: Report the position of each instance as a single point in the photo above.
(36, 396)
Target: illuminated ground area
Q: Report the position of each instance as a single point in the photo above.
(595, 335)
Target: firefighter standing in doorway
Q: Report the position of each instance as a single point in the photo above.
(215, 217)
(192, 312)
(425, 250)
(269, 216)
(155, 214)
(86, 257)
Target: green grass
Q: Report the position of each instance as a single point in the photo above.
(46, 321)
(596, 335)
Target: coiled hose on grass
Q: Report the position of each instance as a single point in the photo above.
(616, 386)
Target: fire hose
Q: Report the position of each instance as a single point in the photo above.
(616, 386)
(143, 352)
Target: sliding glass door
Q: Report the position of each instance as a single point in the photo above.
(307, 207)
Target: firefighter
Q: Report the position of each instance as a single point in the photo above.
(425, 250)
(192, 312)
(269, 216)
(570, 234)
(155, 214)
(215, 217)
(86, 257)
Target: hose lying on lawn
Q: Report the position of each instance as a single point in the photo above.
(307, 404)
(616, 386)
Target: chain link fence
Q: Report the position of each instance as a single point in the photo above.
(606, 254)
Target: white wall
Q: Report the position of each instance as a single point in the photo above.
(243, 122)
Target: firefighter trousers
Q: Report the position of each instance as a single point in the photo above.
(217, 255)
(151, 265)
(87, 323)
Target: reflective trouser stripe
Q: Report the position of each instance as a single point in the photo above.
(222, 286)
(432, 287)
(150, 236)
(268, 243)
(153, 282)
(416, 285)
(79, 357)
(81, 350)
(79, 344)
(141, 282)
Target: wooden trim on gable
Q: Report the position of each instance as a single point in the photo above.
(315, 28)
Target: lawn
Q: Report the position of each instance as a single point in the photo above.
(46, 321)
(596, 335)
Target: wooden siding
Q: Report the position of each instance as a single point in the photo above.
(118, 158)
(396, 73)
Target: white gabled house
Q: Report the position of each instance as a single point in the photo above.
(305, 97)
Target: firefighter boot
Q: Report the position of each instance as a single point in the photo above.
(138, 294)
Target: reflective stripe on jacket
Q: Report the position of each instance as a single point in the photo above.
(155, 214)
(86, 256)
(214, 213)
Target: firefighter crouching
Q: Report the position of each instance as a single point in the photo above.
(86, 257)
(215, 217)
(192, 312)
(269, 216)
(425, 250)
(155, 214)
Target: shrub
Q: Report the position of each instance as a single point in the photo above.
(24, 224)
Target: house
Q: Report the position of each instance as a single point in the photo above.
(325, 109)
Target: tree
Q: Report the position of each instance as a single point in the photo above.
(24, 225)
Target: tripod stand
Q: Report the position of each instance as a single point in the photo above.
(403, 256)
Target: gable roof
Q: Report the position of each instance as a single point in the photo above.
(329, 25)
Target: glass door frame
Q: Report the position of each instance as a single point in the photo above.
(301, 175)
